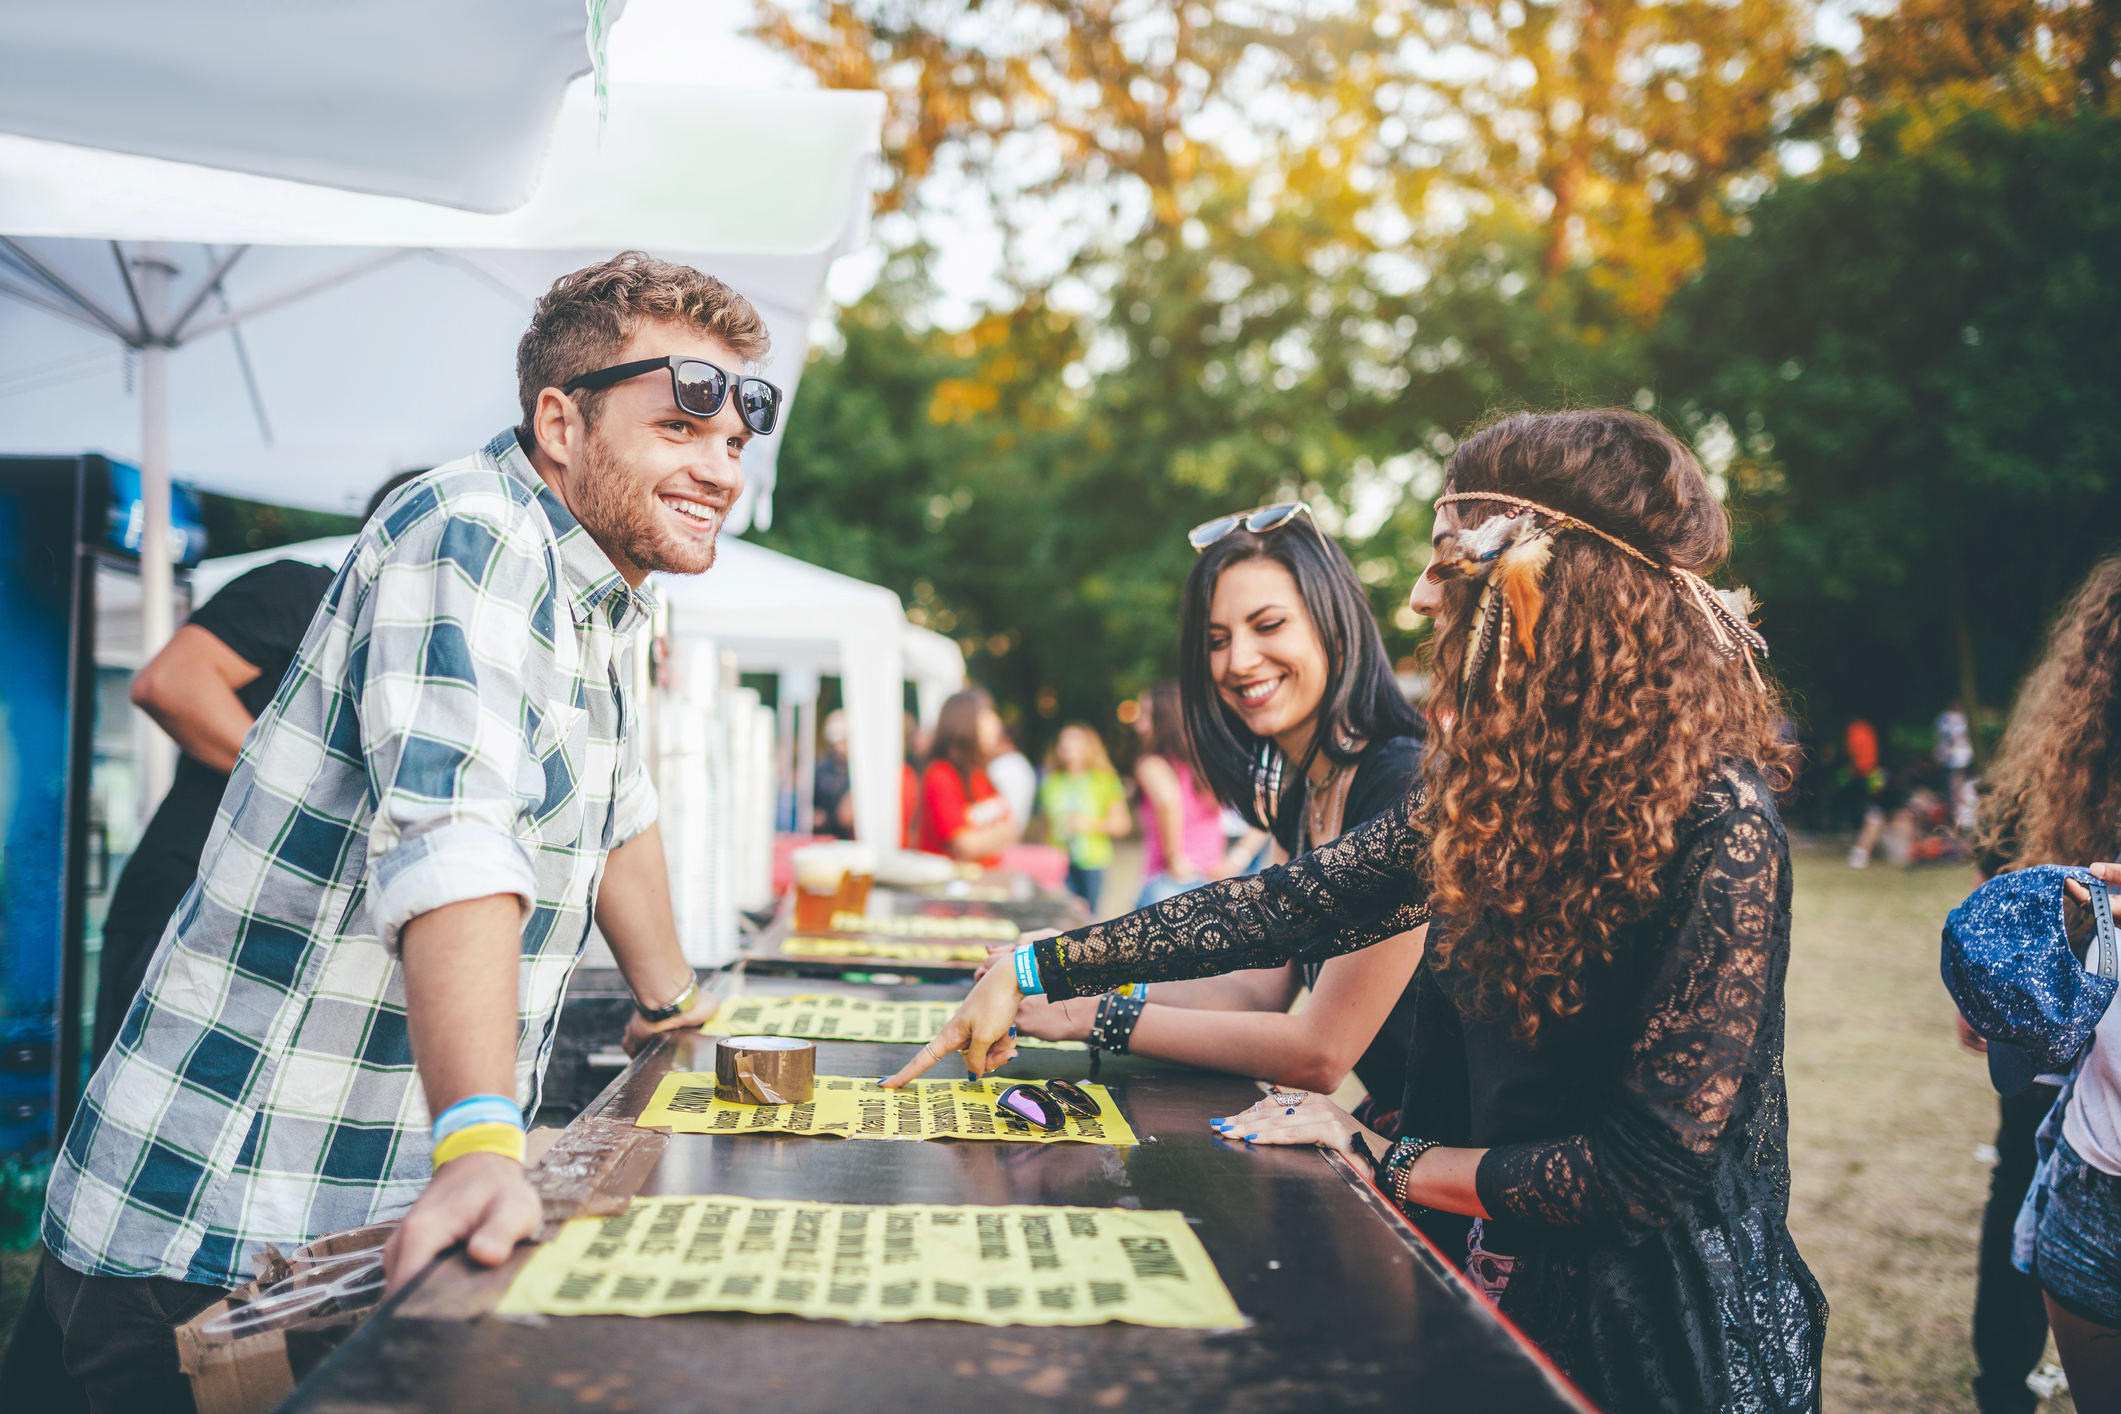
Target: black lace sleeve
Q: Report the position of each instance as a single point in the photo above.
(1651, 1145)
(1361, 889)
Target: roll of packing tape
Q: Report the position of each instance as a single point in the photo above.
(764, 1070)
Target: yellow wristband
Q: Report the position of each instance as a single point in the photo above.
(490, 1138)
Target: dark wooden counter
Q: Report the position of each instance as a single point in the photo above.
(1350, 1308)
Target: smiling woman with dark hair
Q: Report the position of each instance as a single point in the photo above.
(1289, 711)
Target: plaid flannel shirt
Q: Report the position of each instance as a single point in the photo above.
(455, 726)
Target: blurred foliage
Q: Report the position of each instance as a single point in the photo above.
(1253, 251)
(1038, 514)
(1909, 363)
(2023, 59)
(235, 526)
(1619, 127)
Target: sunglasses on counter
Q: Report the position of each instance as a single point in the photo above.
(1047, 1106)
(1259, 522)
(699, 387)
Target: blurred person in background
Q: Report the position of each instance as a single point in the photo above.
(1182, 834)
(961, 814)
(2055, 798)
(916, 741)
(832, 796)
(1955, 753)
(1085, 808)
(1861, 782)
(205, 688)
(1015, 779)
(1298, 722)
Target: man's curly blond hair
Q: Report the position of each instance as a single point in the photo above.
(583, 322)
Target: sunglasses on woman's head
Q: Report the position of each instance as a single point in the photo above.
(1259, 522)
(699, 387)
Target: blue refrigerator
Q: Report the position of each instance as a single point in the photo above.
(70, 747)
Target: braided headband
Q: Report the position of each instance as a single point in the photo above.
(1508, 555)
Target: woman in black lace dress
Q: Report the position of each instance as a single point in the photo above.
(1596, 1069)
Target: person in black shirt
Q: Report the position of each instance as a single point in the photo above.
(206, 686)
(1292, 711)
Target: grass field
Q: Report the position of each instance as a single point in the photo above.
(1885, 1114)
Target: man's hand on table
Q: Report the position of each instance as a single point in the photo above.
(640, 1030)
(483, 1200)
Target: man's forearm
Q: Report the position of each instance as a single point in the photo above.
(633, 913)
(189, 689)
(461, 963)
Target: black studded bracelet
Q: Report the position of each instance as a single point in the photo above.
(1114, 1026)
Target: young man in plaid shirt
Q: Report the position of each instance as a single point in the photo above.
(447, 787)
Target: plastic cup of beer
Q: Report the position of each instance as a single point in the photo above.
(829, 879)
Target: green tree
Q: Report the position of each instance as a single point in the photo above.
(1038, 512)
(1909, 371)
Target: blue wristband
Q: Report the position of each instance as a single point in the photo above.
(1027, 979)
(477, 1109)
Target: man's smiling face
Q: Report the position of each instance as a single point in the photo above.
(650, 482)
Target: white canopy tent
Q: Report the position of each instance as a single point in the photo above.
(780, 615)
(446, 103)
(375, 95)
(308, 342)
(380, 331)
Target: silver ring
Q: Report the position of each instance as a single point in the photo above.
(1286, 1098)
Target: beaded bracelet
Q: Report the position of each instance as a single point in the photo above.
(1396, 1170)
(1114, 1026)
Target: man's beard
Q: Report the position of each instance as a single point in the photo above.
(616, 512)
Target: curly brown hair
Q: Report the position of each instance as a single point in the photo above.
(2054, 790)
(1555, 801)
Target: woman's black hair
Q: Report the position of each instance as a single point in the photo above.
(1361, 703)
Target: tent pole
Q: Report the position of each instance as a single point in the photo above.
(806, 764)
(157, 577)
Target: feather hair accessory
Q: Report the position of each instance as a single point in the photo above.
(1508, 554)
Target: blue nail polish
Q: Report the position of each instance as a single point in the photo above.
(1290, 1111)
(1250, 1137)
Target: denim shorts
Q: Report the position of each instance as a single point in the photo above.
(2077, 1254)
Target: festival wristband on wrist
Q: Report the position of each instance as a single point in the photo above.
(476, 1109)
(491, 1138)
(1027, 979)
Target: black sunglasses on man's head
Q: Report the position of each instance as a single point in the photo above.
(700, 388)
